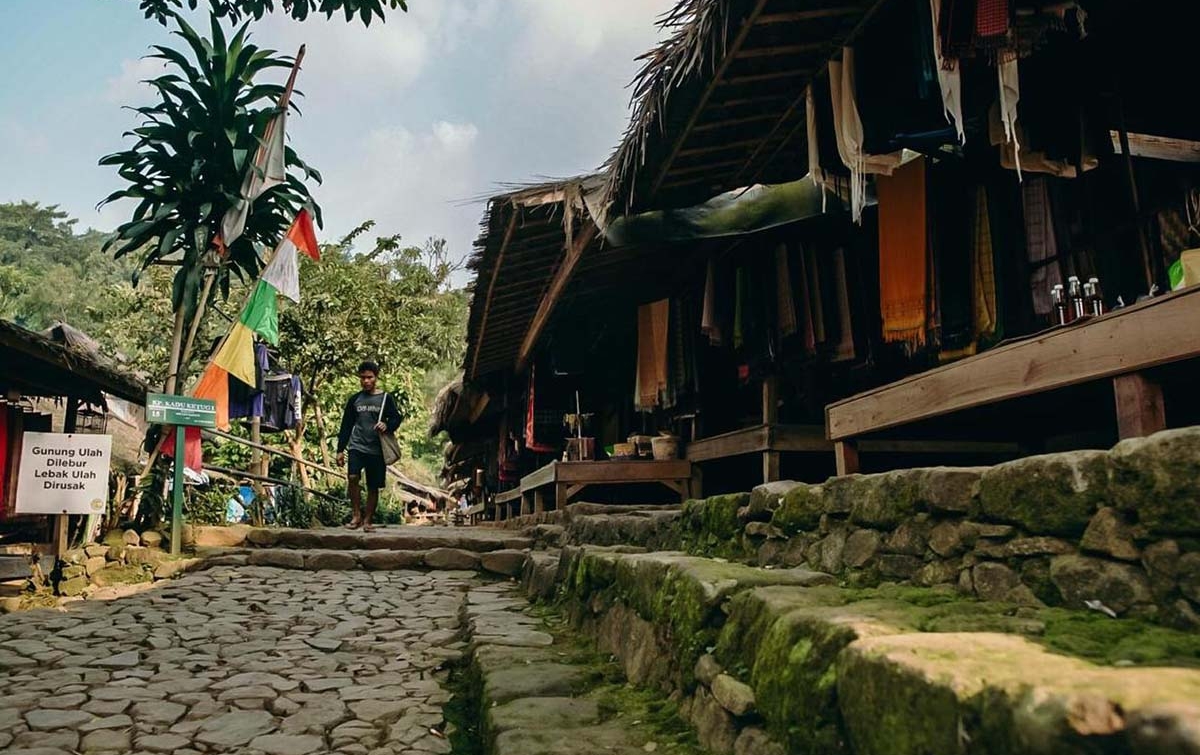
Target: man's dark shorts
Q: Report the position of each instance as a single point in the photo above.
(372, 467)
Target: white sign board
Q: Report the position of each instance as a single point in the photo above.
(63, 473)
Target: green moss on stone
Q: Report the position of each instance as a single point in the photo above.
(1054, 494)
(1155, 478)
(800, 510)
(885, 500)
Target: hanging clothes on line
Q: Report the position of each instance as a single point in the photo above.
(902, 254)
(710, 323)
(844, 349)
(809, 335)
(951, 199)
(281, 402)
(785, 305)
(651, 378)
(816, 305)
(848, 126)
(1041, 244)
(949, 76)
(193, 455)
(987, 317)
(532, 419)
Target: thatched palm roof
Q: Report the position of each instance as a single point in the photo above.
(720, 104)
(61, 362)
(522, 239)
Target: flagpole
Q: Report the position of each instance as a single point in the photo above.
(284, 100)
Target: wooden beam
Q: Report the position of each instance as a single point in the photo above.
(1154, 332)
(779, 50)
(713, 82)
(730, 122)
(807, 15)
(554, 292)
(758, 78)
(736, 443)
(487, 302)
(945, 447)
(1157, 147)
(1140, 410)
(723, 147)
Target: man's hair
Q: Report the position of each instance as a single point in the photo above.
(369, 366)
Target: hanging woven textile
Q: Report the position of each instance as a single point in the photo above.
(902, 254)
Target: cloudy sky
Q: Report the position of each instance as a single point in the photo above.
(408, 121)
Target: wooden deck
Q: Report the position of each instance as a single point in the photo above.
(1119, 346)
(557, 483)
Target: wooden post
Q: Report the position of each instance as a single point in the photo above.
(539, 500)
(256, 463)
(696, 488)
(177, 493)
(62, 521)
(770, 461)
(770, 400)
(770, 415)
(1140, 409)
(845, 453)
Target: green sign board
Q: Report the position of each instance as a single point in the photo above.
(165, 409)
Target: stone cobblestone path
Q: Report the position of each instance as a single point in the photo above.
(246, 660)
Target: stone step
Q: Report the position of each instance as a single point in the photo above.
(895, 669)
(539, 692)
(397, 538)
(507, 562)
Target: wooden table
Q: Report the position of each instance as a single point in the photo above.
(1118, 346)
(568, 478)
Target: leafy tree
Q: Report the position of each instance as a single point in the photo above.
(235, 10)
(394, 304)
(190, 155)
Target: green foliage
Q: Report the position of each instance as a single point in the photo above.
(206, 506)
(395, 305)
(162, 10)
(190, 156)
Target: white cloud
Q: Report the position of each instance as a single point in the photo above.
(409, 182)
(129, 87)
(559, 37)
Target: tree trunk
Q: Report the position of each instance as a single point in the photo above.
(194, 328)
(321, 432)
(176, 347)
(297, 443)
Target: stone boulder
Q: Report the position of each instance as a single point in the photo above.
(861, 547)
(1054, 494)
(1118, 586)
(381, 560)
(1108, 534)
(714, 724)
(332, 560)
(734, 696)
(152, 539)
(451, 558)
(767, 497)
(949, 490)
(1155, 478)
(506, 561)
(800, 510)
(131, 537)
(284, 559)
(888, 499)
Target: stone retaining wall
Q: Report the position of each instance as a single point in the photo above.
(1115, 531)
(766, 661)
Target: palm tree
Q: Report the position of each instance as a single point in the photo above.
(185, 169)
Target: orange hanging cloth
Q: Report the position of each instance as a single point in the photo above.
(902, 253)
(651, 380)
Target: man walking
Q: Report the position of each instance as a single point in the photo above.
(367, 414)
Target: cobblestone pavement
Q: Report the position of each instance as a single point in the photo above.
(247, 660)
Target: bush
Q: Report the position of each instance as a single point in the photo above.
(205, 506)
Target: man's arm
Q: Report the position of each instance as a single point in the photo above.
(391, 414)
(347, 426)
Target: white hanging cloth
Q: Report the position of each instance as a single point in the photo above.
(949, 77)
